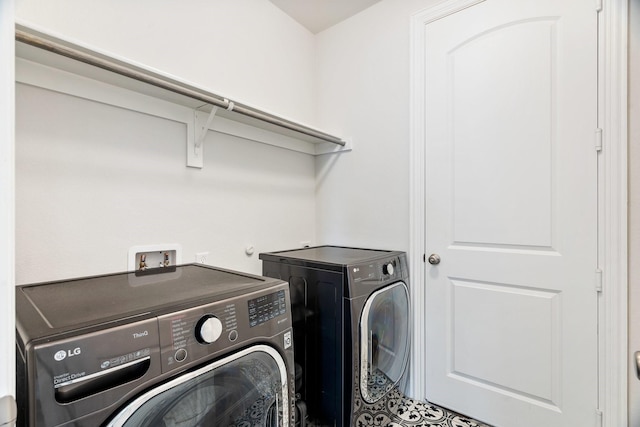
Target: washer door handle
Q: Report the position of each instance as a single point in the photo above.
(434, 259)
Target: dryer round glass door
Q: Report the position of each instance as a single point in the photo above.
(384, 340)
(246, 388)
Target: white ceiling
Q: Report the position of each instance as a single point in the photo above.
(318, 15)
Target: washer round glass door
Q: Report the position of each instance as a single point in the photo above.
(384, 341)
(247, 388)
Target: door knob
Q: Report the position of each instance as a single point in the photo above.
(434, 259)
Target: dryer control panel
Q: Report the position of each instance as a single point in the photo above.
(364, 276)
(378, 271)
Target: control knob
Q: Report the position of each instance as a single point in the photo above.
(208, 329)
(388, 268)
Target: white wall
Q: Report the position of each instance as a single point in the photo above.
(363, 90)
(93, 180)
(7, 313)
(247, 50)
(634, 208)
(363, 75)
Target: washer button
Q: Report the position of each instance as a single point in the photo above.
(180, 355)
(233, 335)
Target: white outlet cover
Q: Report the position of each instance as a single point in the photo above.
(134, 250)
(200, 256)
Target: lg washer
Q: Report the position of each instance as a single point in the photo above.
(189, 346)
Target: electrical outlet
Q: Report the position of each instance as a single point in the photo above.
(201, 257)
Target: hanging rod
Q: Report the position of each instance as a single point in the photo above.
(169, 85)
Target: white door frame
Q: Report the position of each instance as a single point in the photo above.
(612, 201)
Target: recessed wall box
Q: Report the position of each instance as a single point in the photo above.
(144, 257)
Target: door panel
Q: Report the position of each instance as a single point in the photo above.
(511, 176)
(528, 365)
(512, 199)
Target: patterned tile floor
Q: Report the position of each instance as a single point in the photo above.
(397, 410)
(393, 409)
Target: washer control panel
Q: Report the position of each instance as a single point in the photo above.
(192, 334)
(266, 307)
(200, 332)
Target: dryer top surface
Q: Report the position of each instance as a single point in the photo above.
(330, 255)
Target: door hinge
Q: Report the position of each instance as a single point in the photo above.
(598, 5)
(598, 280)
(599, 417)
(598, 141)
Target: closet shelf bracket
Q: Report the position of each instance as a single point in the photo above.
(215, 118)
(202, 122)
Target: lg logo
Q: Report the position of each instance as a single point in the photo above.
(62, 354)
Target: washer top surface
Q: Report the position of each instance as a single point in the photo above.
(94, 299)
(331, 255)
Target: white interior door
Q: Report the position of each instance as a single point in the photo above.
(511, 209)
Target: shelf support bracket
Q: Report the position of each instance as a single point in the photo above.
(196, 135)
